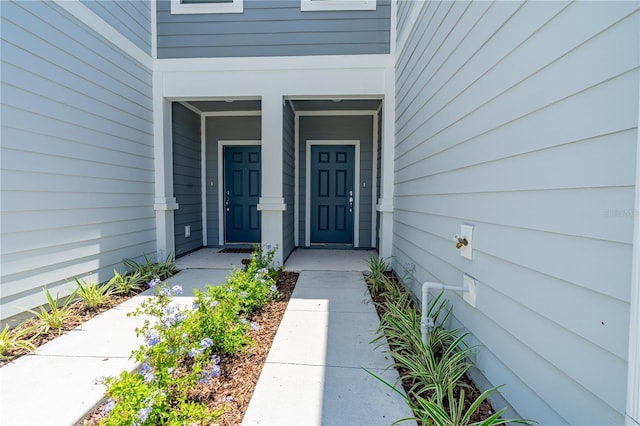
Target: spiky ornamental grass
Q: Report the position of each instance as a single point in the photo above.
(433, 369)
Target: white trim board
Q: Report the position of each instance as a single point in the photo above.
(356, 188)
(221, 215)
(178, 8)
(100, 26)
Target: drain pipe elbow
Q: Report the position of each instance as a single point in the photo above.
(426, 323)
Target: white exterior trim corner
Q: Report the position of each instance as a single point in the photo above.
(356, 188)
(632, 415)
(100, 26)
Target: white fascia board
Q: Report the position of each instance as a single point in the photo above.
(88, 17)
(276, 63)
(312, 82)
(304, 76)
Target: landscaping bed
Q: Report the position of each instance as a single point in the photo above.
(433, 374)
(240, 372)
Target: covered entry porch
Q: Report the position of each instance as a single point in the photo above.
(301, 166)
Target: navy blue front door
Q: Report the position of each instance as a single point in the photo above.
(332, 194)
(241, 194)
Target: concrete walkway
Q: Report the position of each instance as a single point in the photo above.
(313, 373)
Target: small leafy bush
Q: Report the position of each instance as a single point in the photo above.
(126, 283)
(92, 295)
(55, 316)
(434, 370)
(151, 268)
(11, 340)
(182, 347)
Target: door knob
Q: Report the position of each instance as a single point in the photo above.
(350, 201)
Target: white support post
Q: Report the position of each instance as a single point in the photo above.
(271, 202)
(385, 203)
(164, 203)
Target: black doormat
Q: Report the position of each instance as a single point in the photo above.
(236, 250)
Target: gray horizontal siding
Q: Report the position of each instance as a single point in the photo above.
(288, 180)
(521, 118)
(77, 155)
(187, 185)
(132, 19)
(272, 28)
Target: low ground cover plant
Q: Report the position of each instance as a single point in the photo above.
(432, 372)
(57, 315)
(16, 339)
(185, 345)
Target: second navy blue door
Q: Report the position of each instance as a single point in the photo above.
(241, 194)
(332, 194)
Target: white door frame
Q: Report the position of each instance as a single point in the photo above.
(356, 188)
(221, 215)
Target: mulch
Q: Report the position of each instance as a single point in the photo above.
(78, 316)
(239, 373)
(471, 392)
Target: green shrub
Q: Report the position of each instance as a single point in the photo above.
(15, 339)
(152, 269)
(126, 283)
(92, 295)
(55, 316)
(182, 347)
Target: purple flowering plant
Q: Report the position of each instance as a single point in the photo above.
(181, 344)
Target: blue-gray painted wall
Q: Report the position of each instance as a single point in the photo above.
(77, 173)
(344, 127)
(288, 180)
(187, 184)
(521, 118)
(236, 128)
(132, 19)
(272, 28)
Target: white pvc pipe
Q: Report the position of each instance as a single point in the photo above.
(426, 323)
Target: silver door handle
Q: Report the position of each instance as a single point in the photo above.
(226, 201)
(350, 201)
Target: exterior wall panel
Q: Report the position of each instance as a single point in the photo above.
(186, 178)
(272, 28)
(521, 119)
(288, 181)
(77, 155)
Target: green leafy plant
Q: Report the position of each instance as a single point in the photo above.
(56, 314)
(93, 295)
(429, 412)
(126, 283)
(16, 339)
(377, 278)
(182, 347)
(433, 369)
(151, 269)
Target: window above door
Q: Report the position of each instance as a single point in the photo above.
(206, 6)
(318, 5)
